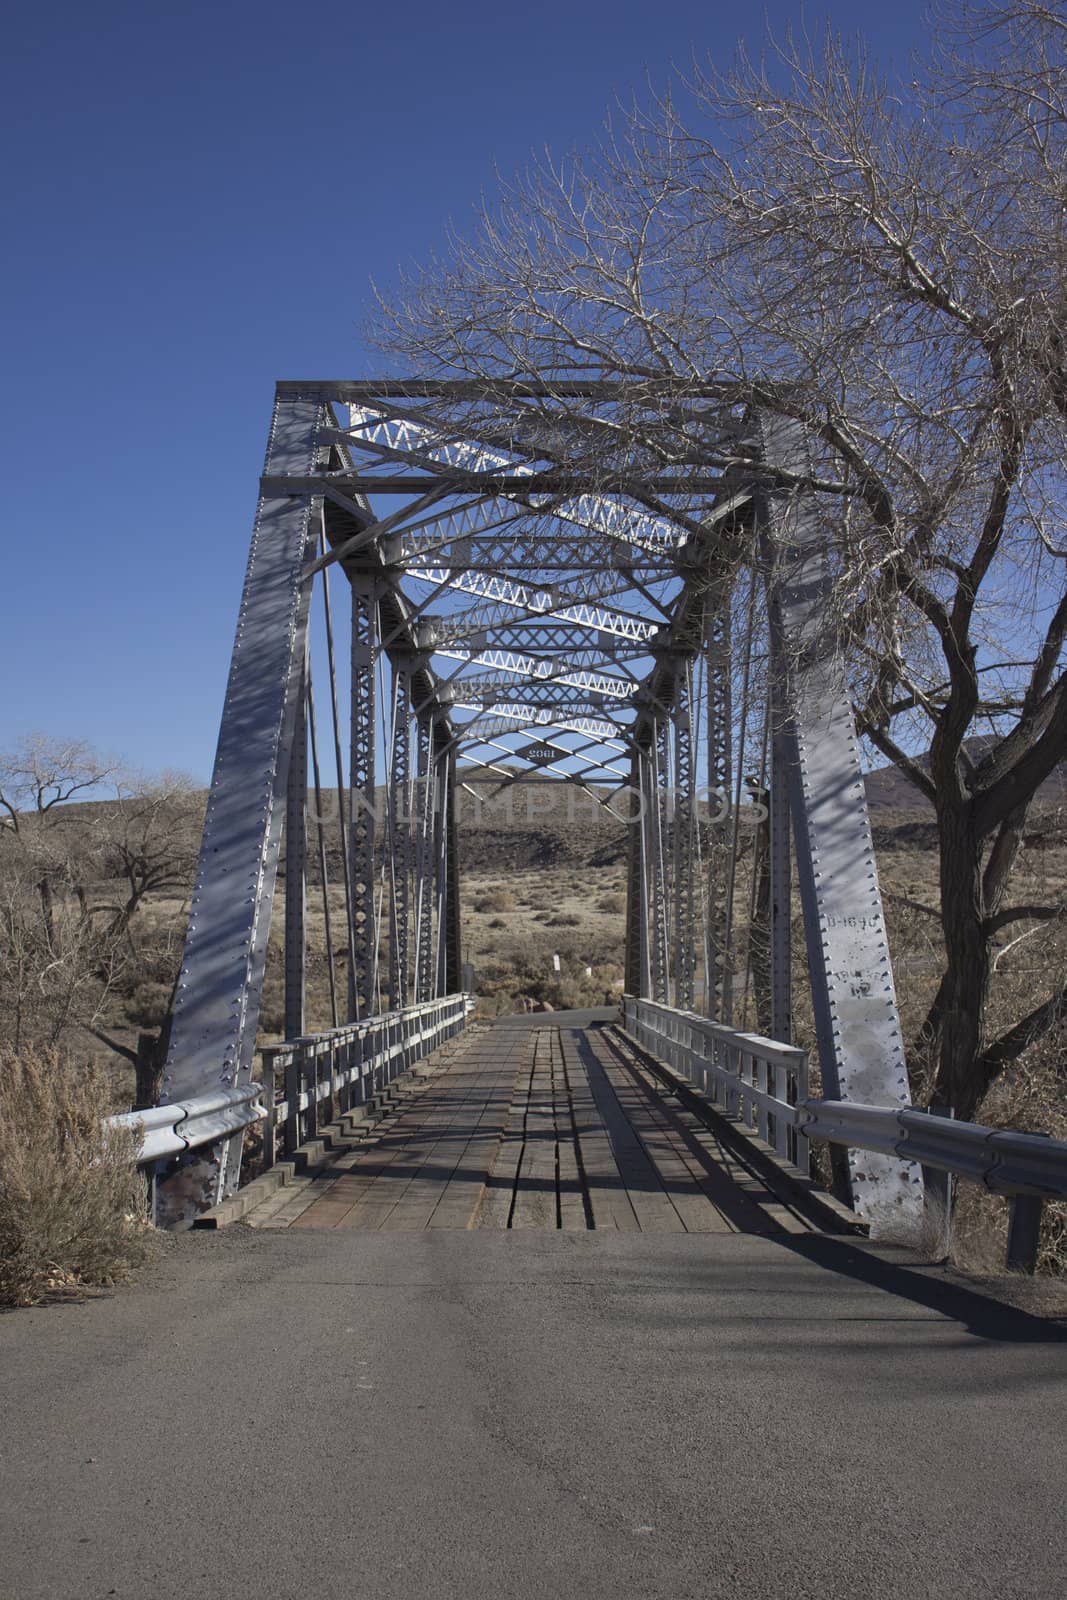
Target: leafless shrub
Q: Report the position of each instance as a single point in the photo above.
(72, 1203)
(494, 900)
(613, 905)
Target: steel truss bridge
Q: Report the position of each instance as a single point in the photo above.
(616, 586)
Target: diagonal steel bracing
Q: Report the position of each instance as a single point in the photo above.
(542, 578)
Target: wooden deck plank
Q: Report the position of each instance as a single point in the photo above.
(574, 1216)
(536, 1186)
(494, 1207)
(606, 1187)
(460, 1197)
(540, 1128)
(744, 1201)
(433, 1154)
(644, 1188)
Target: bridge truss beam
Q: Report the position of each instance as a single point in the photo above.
(585, 581)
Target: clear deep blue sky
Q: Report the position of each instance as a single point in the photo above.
(195, 197)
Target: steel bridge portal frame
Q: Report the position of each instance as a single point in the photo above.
(552, 578)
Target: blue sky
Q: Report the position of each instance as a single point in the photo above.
(195, 198)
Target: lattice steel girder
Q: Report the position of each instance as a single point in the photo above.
(517, 719)
(555, 752)
(584, 671)
(424, 806)
(719, 975)
(684, 846)
(543, 641)
(571, 716)
(654, 780)
(545, 556)
(216, 1008)
(499, 481)
(571, 603)
(635, 967)
(362, 792)
(592, 688)
(447, 854)
(389, 437)
(401, 842)
(861, 1052)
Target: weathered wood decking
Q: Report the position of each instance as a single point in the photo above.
(547, 1127)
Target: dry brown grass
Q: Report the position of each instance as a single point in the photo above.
(72, 1203)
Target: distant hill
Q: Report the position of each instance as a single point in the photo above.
(889, 790)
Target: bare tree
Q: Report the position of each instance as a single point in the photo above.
(888, 265)
(37, 780)
(57, 971)
(148, 841)
(66, 941)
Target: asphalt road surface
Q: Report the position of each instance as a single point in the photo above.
(507, 1415)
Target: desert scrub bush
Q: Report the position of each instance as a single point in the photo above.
(72, 1203)
(613, 904)
(495, 900)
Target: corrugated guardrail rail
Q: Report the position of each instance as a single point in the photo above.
(766, 1084)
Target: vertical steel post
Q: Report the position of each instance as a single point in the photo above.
(442, 805)
(363, 989)
(635, 914)
(424, 860)
(296, 870)
(683, 842)
(719, 976)
(657, 801)
(453, 963)
(1024, 1232)
(400, 839)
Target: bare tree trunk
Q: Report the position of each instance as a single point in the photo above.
(44, 889)
(966, 986)
(151, 1058)
(148, 1064)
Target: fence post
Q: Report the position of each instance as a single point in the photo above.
(802, 1148)
(1024, 1231)
(270, 1121)
(310, 1081)
(292, 1102)
(938, 1190)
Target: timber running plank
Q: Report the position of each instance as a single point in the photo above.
(542, 1128)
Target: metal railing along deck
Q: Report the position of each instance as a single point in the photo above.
(765, 1083)
(344, 1066)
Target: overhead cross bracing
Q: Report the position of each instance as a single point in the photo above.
(532, 523)
(623, 586)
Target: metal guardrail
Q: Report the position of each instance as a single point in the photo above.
(756, 1079)
(747, 1074)
(165, 1131)
(351, 1063)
